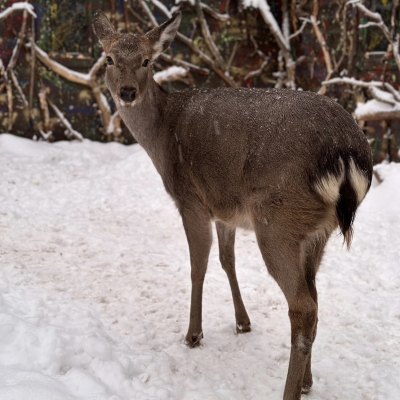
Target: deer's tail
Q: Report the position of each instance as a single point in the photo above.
(344, 181)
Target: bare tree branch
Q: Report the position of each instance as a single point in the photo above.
(391, 89)
(137, 16)
(232, 56)
(45, 109)
(33, 63)
(207, 37)
(18, 45)
(256, 72)
(10, 105)
(71, 132)
(301, 29)
(377, 17)
(207, 60)
(210, 11)
(214, 14)
(322, 42)
(18, 87)
(393, 17)
(395, 50)
(77, 77)
(281, 40)
(147, 11)
(184, 64)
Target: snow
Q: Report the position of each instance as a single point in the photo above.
(182, 1)
(353, 81)
(373, 106)
(383, 96)
(170, 74)
(95, 288)
(111, 125)
(17, 6)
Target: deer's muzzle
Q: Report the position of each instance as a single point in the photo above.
(128, 94)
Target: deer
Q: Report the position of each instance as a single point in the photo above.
(293, 166)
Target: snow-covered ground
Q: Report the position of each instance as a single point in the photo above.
(95, 287)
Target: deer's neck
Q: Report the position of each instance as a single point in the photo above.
(145, 119)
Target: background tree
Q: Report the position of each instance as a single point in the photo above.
(51, 66)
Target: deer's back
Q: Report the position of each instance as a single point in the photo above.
(234, 142)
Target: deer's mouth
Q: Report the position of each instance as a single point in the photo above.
(126, 103)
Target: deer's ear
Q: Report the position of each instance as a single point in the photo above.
(161, 37)
(102, 27)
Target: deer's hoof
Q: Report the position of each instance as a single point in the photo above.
(193, 340)
(243, 328)
(306, 387)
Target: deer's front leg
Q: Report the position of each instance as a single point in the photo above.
(197, 224)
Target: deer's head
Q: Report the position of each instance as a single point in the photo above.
(129, 56)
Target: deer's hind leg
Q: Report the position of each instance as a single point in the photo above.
(284, 257)
(226, 242)
(314, 250)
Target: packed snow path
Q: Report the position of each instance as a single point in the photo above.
(95, 289)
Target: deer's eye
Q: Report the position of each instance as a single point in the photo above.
(109, 60)
(145, 63)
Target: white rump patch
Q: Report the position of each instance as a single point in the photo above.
(359, 181)
(328, 187)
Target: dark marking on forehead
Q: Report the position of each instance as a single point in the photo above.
(131, 45)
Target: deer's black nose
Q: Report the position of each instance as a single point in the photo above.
(128, 94)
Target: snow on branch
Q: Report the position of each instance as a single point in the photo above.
(170, 74)
(16, 7)
(374, 15)
(383, 105)
(114, 127)
(282, 37)
(270, 20)
(376, 110)
(368, 85)
(353, 81)
(382, 96)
